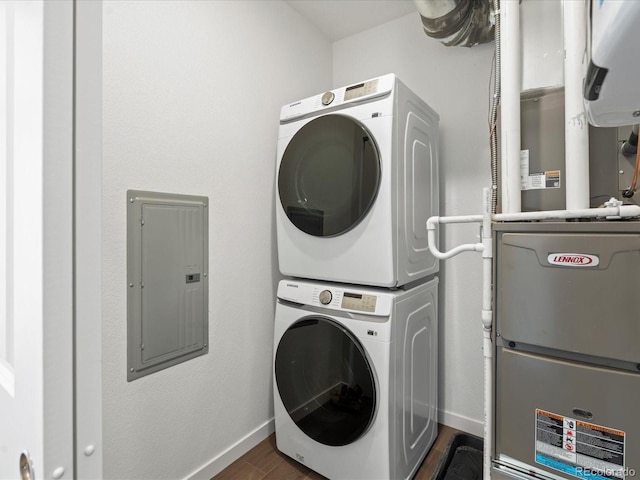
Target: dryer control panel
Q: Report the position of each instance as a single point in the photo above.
(336, 297)
(374, 88)
(363, 89)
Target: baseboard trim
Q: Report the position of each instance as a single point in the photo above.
(460, 422)
(235, 451)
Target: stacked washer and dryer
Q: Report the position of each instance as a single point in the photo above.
(355, 337)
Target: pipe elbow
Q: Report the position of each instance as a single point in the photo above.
(432, 223)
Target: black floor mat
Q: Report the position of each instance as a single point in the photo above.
(462, 459)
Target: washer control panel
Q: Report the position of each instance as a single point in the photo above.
(336, 297)
(359, 302)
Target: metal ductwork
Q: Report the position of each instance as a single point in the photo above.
(457, 22)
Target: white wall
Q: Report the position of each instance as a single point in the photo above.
(455, 82)
(192, 96)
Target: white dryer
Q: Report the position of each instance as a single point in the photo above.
(355, 378)
(356, 180)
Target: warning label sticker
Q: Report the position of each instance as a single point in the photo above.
(537, 180)
(542, 180)
(578, 448)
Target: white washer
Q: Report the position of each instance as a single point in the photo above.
(355, 378)
(357, 178)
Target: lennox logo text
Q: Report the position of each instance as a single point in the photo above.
(573, 259)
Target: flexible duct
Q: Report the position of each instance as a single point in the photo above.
(457, 22)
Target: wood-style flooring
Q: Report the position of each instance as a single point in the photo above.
(265, 462)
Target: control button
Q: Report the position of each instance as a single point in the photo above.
(325, 297)
(327, 98)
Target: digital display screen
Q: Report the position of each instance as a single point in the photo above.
(353, 87)
(353, 295)
(359, 302)
(361, 89)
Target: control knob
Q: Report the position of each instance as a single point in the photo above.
(325, 297)
(328, 97)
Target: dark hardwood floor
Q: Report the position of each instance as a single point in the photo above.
(265, 462)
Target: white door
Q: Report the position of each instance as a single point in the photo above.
(36, 239)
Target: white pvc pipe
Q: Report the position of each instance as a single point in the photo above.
(622, 211)
(576, 127)
(432, 223)
(469, 247)
(487, 349)
(510, 105)
(487, 326)
(460, 219)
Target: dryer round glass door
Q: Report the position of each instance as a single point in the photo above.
(325, 381)
(329, 175)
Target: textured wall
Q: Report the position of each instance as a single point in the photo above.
(192, 96)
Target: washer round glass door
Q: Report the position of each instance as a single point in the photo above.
(329, 175)
(325, 381)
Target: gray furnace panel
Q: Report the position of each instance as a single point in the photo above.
(568, 306)
(167, 268)
(600, 400)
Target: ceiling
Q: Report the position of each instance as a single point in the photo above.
(338, 19)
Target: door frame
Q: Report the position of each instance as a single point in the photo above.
(87, 207)
(53, 376)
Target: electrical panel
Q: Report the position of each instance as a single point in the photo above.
(167, 284)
